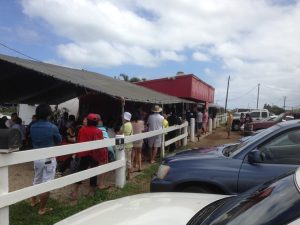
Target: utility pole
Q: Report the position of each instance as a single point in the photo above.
(227, 94)
(257, 95)
(284, 99)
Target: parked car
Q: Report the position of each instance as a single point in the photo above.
(235, 168)
(275, 202)
(260, 114)
(263, 124)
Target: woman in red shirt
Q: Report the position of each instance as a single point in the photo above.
(90, 158)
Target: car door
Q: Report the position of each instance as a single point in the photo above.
(279, 154)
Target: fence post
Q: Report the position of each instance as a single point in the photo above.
(120, 155)
(162, 149)
(210, 125)
(4, 212)
(214, 121)
(192, 131)
(185, 131)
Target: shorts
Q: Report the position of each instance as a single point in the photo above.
(154, 142)
(44, 170)
(199, 125)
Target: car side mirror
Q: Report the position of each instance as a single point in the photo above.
(254, 157)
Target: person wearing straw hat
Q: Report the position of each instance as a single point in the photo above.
(155, 122)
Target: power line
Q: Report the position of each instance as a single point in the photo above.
(281, 89)
(243, 94)
(21, 53)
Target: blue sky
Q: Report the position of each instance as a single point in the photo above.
(253, 41)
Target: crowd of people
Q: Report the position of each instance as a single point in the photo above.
(44, 132)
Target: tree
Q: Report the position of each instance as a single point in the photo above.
(274, 109)
(134, 79)
(124, 76)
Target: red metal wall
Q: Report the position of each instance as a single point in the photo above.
(185, 86)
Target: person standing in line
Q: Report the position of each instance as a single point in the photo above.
(90, 158)
(205, 121)
(127, 130)
(199, 123)
(138, 127)
(104, 153)
(10, 122)
(229, 123)
(18, 125)
(43, 134)
(155, 122)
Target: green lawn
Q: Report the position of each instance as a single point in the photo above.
(23, 214)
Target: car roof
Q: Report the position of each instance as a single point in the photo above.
(289, 123)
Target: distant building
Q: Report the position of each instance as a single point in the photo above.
(187, 86)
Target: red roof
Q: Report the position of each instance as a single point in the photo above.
(186, 86)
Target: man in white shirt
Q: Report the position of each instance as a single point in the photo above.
(155, 122)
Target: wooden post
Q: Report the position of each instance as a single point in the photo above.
(4, 212)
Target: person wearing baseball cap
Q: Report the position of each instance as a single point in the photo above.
(89, 158)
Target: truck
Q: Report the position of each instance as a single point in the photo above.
(256, 115)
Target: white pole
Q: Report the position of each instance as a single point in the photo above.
(192, 127)
(4, 212)
(210, 125)
(214, 121)
(120, 155)
(162, 149)
(185, 131)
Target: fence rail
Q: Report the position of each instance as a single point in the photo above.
(8, 198)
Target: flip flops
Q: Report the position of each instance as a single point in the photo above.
(44, 211)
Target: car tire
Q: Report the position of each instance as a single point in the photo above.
(196, 189)
(235, 127)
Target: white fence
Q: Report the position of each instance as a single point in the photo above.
(8, 198)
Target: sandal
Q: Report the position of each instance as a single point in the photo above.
(45, 210)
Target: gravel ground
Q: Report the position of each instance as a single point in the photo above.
(21, 175)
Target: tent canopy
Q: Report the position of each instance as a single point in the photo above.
(34, 82)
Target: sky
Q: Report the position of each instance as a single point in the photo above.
(255, 42)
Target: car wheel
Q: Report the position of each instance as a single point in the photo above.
(196, 189)
(235, 127)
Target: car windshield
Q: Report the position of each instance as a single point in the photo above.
(275, 202)
(237, 148)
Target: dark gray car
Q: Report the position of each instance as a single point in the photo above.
(235, 168)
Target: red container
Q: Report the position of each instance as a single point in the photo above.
(184, 86)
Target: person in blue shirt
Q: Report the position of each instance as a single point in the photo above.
(43, 134)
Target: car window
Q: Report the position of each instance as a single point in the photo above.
(238, 148)
(254, 114)
(264, 114)
(283, 149)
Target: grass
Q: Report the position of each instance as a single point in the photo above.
(23, 214)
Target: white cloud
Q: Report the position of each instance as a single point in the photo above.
(255, 41)
(199, 56)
